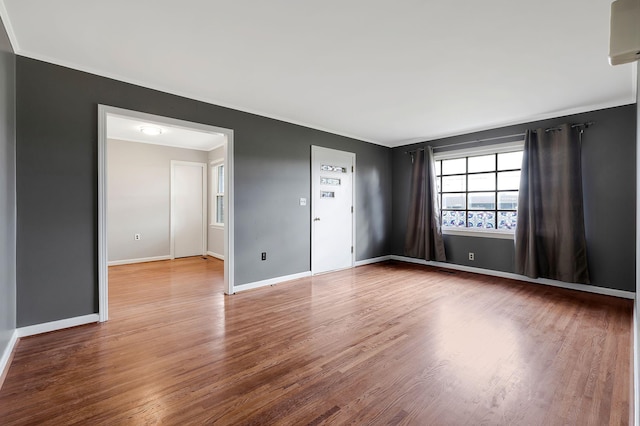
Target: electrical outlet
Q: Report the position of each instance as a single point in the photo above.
(264, 255)
(472, 256)
(136, 237)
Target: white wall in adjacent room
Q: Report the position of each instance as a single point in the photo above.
(139, 198)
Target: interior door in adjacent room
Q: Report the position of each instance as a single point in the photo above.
(188, 209)
(332, 221)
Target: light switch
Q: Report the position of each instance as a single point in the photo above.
(303, 201)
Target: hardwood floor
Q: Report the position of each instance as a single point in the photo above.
(380, 344)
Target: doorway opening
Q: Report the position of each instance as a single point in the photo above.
(140, 240)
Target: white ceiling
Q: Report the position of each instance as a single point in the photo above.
(128, 129)
(389, 72)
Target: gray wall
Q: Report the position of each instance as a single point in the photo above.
(57, 187)
(7, 192)
(215, 234)
(609, 183)
(139, 197)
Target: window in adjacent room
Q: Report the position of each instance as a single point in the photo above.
(478, 188)
(217, 194)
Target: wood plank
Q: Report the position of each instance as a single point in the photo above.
(386, 343)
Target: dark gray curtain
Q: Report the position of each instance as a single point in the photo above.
(550, 238)
(424, 233)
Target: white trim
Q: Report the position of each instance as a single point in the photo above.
(571, 286)
(4, 14)
(203, 201)
(229, 230)
(333, 270)
(271, 281)
(103, 247)
(354, 197)
(140, 260)
(372, 260)
(229, 234)
(57, 325)
(471, 232)
(6, 356)
(216, 255)
(634, 80)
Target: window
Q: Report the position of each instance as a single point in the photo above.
(217, 194)
(479, 189)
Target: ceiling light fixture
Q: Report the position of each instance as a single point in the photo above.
(151, 130)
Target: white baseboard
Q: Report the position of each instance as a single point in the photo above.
(372, 260)
(216, 255)
(6, 356)
(141, 260)
(57, 325)
(572, 286)
(270, 281)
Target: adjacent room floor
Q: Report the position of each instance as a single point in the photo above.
(388, 343)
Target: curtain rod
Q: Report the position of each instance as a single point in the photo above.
(585, 125)
(468, 142)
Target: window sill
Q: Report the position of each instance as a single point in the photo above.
(468, 232)
(216, 225)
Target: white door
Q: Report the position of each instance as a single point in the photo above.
(188, 208)
(332, 218)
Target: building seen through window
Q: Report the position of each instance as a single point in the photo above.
(479, 191)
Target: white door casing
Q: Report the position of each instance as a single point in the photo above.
(229, 241)
(333, 216)
(188, 209)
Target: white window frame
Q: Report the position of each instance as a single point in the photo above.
(470, 152)
(214, 167)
